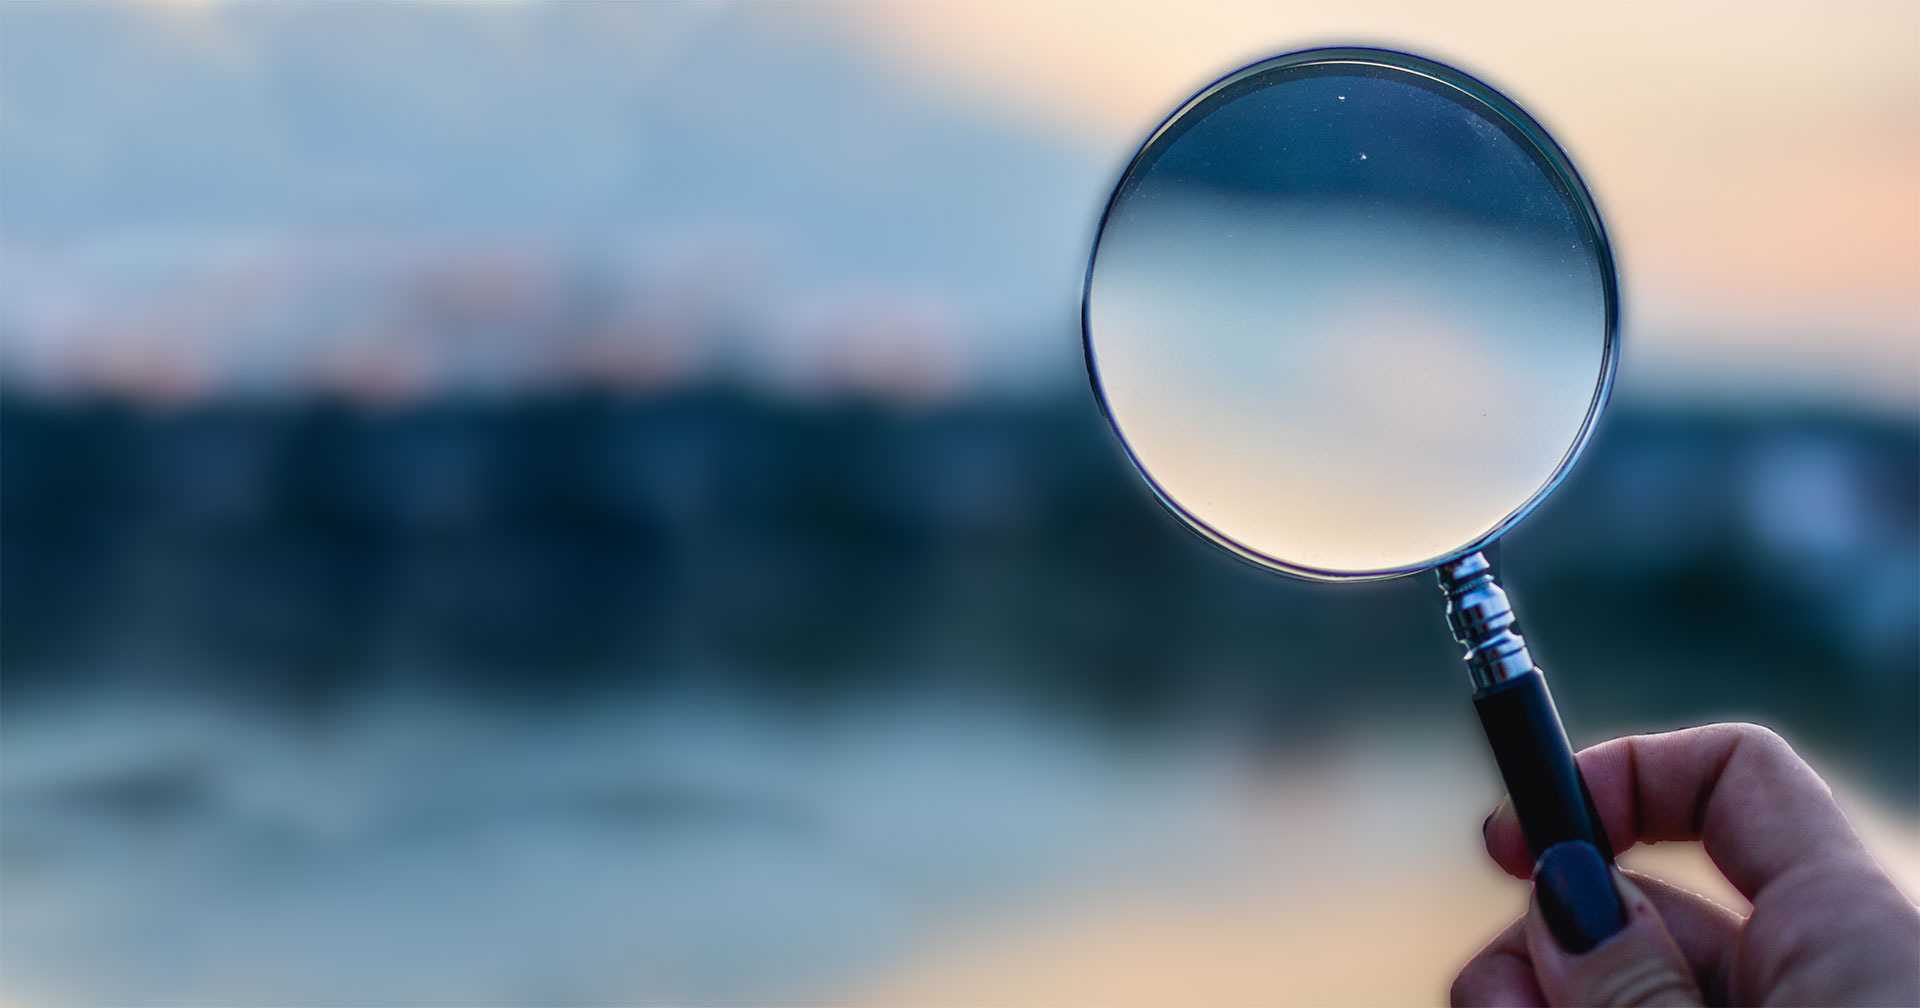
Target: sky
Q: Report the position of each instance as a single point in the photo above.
(1758, 165)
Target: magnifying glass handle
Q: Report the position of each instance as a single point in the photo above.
(1531, 748)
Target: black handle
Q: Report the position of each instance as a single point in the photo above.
(1552, 802)
(1572, 860)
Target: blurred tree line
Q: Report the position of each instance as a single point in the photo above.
(548, 548)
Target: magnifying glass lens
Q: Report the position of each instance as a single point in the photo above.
(1348, 318)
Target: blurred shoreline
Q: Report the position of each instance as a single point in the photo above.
(299, 552)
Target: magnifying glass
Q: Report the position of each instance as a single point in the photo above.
(1353, 314)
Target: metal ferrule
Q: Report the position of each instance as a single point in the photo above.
(1482, 622)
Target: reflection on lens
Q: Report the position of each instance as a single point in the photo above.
(1346, 318)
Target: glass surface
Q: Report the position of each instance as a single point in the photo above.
(1347, 317)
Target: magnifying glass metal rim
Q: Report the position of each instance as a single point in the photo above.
(1477, 93)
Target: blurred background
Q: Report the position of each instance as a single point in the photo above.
(512, 503)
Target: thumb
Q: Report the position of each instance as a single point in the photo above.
(1637, 965)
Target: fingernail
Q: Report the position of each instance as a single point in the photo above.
(1487, 823)
(1577, 896)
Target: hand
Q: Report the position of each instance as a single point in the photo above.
(1827, 928)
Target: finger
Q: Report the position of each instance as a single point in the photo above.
(1639, 965)
(1704, 930)
(1500, 975)
(1502, 972)
(1507, 845)
(1759, 809)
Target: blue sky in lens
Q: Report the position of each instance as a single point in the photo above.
(1344, 325)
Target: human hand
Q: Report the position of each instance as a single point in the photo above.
(1828, 927)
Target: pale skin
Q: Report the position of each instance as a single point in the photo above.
(1828, 927)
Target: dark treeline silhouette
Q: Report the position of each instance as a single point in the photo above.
(303, 554)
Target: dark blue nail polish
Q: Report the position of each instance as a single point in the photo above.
(1577, 896)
